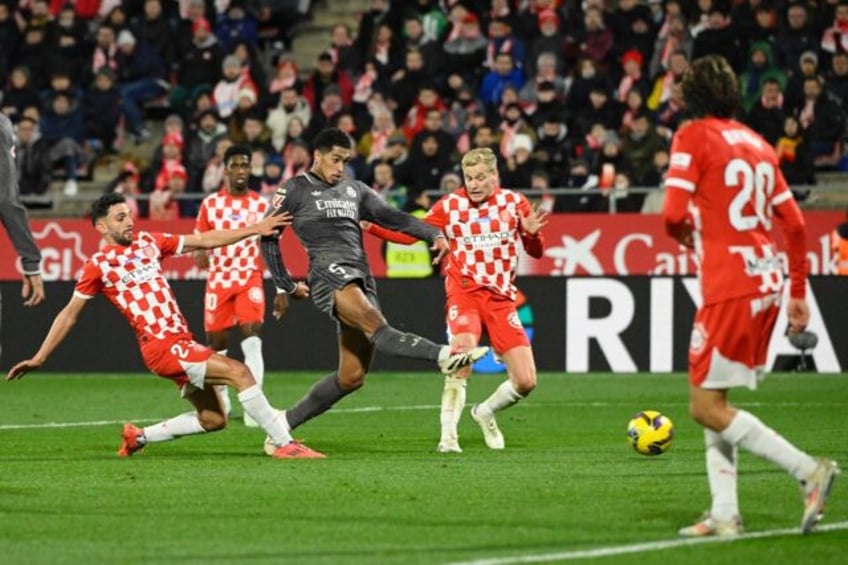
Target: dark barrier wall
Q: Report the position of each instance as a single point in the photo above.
(581, 324)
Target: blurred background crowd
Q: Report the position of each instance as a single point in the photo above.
(569, 93)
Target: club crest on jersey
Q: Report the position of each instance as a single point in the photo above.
(315, 193)
(351, 192)
(279, 196)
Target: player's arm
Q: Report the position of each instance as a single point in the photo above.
(375, 210)
(676, 215)
(532, 221)
(201, 224)
(273, 257)
(13, 216)
(61, 327)
(269, 226)
(789, 216)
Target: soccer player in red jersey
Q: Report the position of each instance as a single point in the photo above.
(234, 291)
(724, 187)
(483, 224)
(128, 271)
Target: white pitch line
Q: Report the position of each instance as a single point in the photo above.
(415, 407)
(659, 545)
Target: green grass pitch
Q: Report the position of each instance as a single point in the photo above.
(566, 482)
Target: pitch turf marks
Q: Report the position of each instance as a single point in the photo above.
(646, 547)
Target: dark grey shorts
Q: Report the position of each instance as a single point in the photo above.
(322, 288)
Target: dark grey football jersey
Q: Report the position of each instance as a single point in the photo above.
(12, 213)
(326, 220)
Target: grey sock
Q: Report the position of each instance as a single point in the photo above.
(400, 344)
(318, 400)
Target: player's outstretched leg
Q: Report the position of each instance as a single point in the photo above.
(453, 401)
(252, 349)
(402, 344)
(816, 489)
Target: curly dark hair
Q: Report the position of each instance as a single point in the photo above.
(100, 207)
(331, 137)
(710, 88)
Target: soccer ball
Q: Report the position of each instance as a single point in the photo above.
(650, 433)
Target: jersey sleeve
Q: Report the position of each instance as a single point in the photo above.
(374, 209)
(683, 166)
(270, 244)
(168, 244)
(437, 215)
(202, 223)
(90, 282)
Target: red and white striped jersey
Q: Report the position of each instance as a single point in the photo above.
(232, 264)
(131, 278)
(483, 239)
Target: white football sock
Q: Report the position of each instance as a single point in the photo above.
(183, 425)
(224, 391)
(503, 397)
(748, 432)
(453, 401)
(272, 421)
(721, 470)
(252, 349)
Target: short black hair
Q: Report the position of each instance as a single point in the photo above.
(234, 150)
(331, 137)
(100, 207)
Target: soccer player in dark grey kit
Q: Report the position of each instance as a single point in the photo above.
(327, 208)
(13, 216)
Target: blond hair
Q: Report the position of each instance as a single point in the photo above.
(480, 155)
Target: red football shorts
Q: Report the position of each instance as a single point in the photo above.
(730, 341)
(235, 305)
(471, 312)
(179, 358)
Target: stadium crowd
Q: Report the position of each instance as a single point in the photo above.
(582, 94)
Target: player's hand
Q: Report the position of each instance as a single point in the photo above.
(33, 290)
(301, 292)
(533, 222)
(364, 225)
(799, 315)
(272, 224)
(441, 247)
(22, 368)
(201, 259)
(281, 305)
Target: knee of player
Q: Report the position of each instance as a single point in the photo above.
(212, 421)
(704, 413)
(525, 384)
(241, 376)
(352, 379)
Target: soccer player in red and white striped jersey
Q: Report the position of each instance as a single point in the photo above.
(234, 292)
(128, 271)
(485, 226)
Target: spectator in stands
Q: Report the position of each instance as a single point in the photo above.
(550, 40)
(835, 38)
(655, 176)
(428, 99)
(580, 177)
(62, 128)
(250, 60)
(808, 67)
(343, 51)
(379, 13)
(821, 119)
(246, 105)
(602, 109)
(291, 105)
(503, 41)
(235, 78)
(127, 182)
(587, 79)
(19, 94)
(331, 104)
(433, 124)
(552, 148)
(546, 74)
(385, 185)
(202, 143)
(795, 156)
(595, 40)
(296, 158)
(767, 115)
(504, 74)
(10, 37)
(720, 38)
(397, 155)
(213, 174)
(671, 113)
(678, 63)
(257, 136)
(325, 75)
(32, 155)
(407, 81)
(760, 67)
(465, 47)
(372, 144)
(165, 204)
(519, 166)
(34, 54)
(428, 165)
(296, 131)
(67, 38)
(117, 19)
(638, 149)
(633, 105)
(156, 30)
(415, 37)
(385, 51)
(101, 111)
(199, 65)
(837, 80)
(673, 38)
(513, 123)
(631, 63)
(272, 175)
(236, 25)
(140, 75)
(172, 159)
(287, 76)
(105, 53)
(796, 37)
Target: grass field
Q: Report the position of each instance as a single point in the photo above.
(566, 482)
